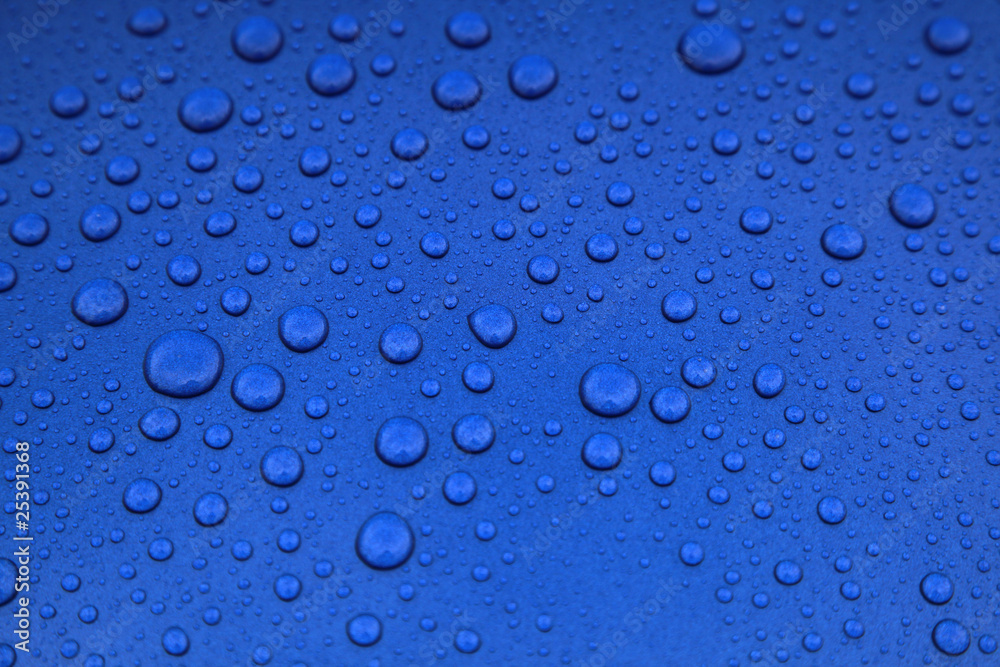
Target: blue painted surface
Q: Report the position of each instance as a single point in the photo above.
(573, 333)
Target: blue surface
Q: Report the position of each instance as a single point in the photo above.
(454, 333)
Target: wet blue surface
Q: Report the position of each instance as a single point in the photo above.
(453, 333)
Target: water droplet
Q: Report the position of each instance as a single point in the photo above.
(948, 35)
(100, 302)
(182, 364)
(384, 541)
(281, 466)
(493, 325)
(842, 241)
(710, 49)
(401, 442)
(456, 90)
(602, 451)
(468, 29)
(400, 343)
(258, 387)
(303, 328)
(609, 390)
(141, 495)
(330, 74)
(912, 205)
(29, 229)
(532, 76)
(257, 39)
(670, 405)
(205, 109)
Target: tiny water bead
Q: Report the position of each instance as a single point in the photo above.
(609, 390)
(367, 215)
(602, 248)
(8, 277)
(434, 244)
(175, 641)
(831, 510)
(218, 436)
(543, 269)
(662, 473)
(68, 102)
(478, 377)
(670, 405)
(692, 554)
(147, 22)
(314, 161)
(459, 488)
(184, 270)
(384, 542)
(937, 588)
(287, 587)
(860, 85)
(788, 573)
(220, 223)
(101, 441)
(235, 301)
